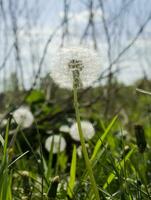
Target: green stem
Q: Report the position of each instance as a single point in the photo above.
(85, 154)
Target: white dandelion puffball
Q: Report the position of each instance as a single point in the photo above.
(64, 128)
(23, 117)
(83, 62)
(87, 128)
(79, 150)
(59, 143)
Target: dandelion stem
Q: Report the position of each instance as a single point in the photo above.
(85, 154)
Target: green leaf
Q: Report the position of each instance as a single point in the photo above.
(35, 96)
(72, 173)
(100, 141)
(5, 177)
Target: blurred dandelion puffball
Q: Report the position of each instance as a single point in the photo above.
(23, 117)
(64, 128)
(87, 129)
(77, 63)
(59, 143)
(79, 150)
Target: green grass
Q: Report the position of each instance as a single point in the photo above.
(121, 170)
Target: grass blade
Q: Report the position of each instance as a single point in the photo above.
(143, 91)
(100, 141)
(72, 173)
(118, 166)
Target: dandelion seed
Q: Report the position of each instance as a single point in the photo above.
(77, 65)
(23, 117)
(58, 142)
(87, 129)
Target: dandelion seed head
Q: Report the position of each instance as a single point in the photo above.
(3, 122)
(64, 128)
(79, 150)
(59, 143)
(23, 117)
(87, 128)
(81, 63)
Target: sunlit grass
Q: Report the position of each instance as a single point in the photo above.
(121, 169)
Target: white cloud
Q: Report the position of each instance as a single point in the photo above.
(83, 16)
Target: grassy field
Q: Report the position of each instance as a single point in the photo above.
(119, 152)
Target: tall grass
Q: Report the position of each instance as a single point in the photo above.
(120, 170)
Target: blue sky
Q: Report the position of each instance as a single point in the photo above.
(43, 16)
